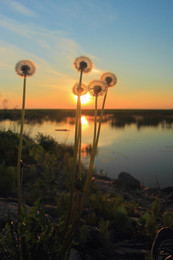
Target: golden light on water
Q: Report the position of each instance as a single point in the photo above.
(84, 122)
(84, 99)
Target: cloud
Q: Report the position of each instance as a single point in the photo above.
(20, 8)
(12, 25)
(53, 45)
(95, 70)
(53, 41)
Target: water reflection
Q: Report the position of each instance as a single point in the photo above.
(116, 118)
(146, 154)
(86, 150)
(84, 122)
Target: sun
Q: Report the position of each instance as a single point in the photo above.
(85, 98)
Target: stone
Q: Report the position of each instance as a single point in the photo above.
(127, 182)
(74, 255)
(8, 209)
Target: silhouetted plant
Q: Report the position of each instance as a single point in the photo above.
(83, 65)
(97, 87)
(24, 68)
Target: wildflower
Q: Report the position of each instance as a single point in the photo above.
(25, 68)
(97, 87)
(109, 78)
(79, 90)
(83, 64)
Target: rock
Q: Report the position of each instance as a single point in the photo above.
(74, 255)
(127, 182)
(7, 209)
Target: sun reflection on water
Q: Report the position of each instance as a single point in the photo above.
(84, 122)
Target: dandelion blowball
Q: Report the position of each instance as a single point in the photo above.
(83, 64)
(77, 90)
(97, 87)
(25, 68)
(109, 78)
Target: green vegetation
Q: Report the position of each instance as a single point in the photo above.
(42, 166)
(34, 236)
(150, 219)
(46, 182)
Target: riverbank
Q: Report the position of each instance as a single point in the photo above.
(120, 217)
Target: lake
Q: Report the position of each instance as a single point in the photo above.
(136, 141)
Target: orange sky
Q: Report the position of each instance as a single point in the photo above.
(134, 41)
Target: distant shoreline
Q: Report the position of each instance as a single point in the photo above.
(92, 109)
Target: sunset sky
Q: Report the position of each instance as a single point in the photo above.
(131, 38)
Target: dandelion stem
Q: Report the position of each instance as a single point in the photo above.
(79, 142)
(100, 120)
(20, 149)
(75, 152)
(95, 121)
(77, 136)
(91, 164)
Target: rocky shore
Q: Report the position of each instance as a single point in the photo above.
(136, 246)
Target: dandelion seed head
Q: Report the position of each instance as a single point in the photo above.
(25, 68)
(97, 87)
(83, 64)
(77, 90)
(109, 78)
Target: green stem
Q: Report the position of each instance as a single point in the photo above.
(79, 142)
(100, 120)
(20, 149)
(75, 152)
(91, 164)
(95, 121)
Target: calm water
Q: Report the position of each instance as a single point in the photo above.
(145, 152)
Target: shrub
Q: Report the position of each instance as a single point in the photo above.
(32, 237)
(47, 142)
